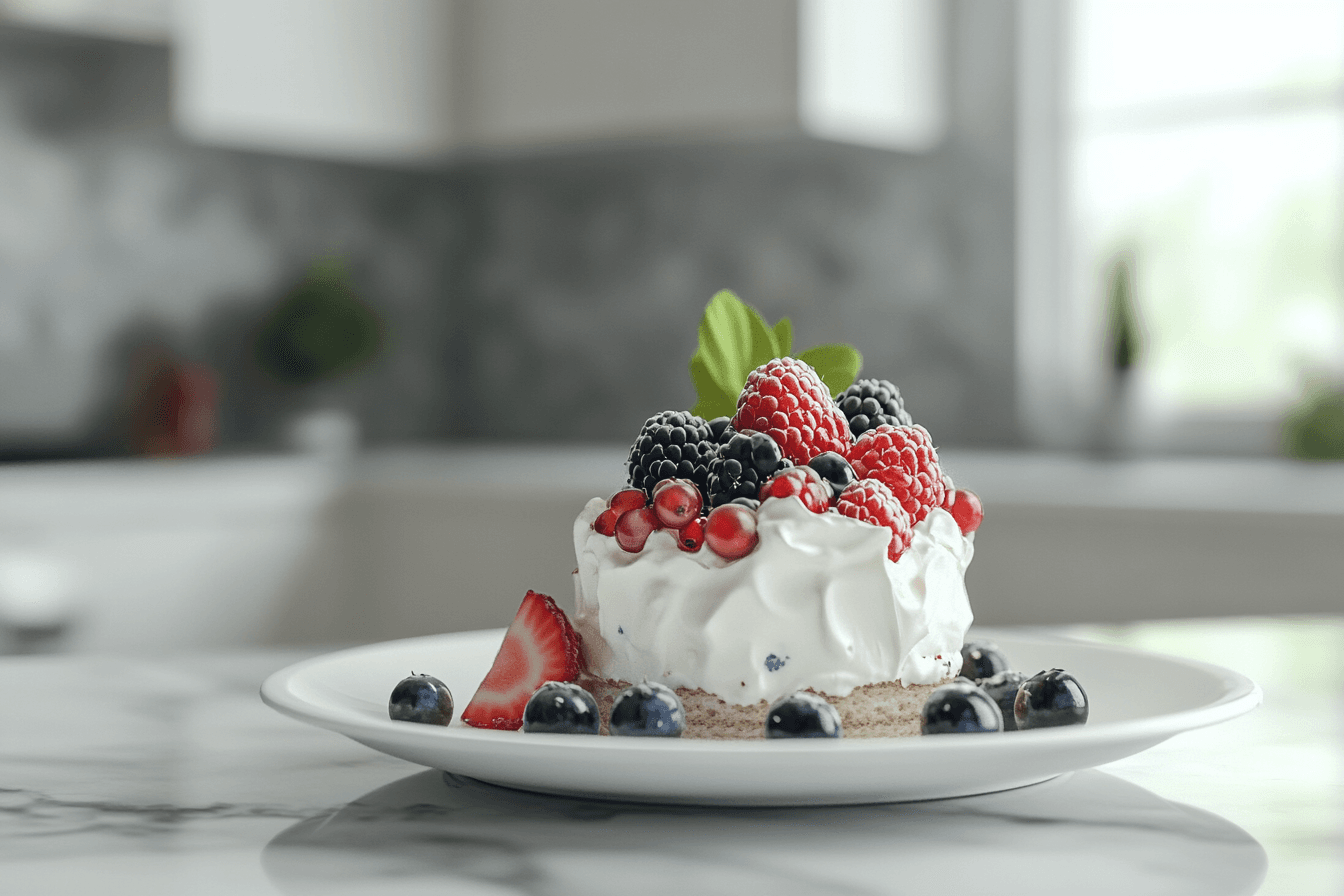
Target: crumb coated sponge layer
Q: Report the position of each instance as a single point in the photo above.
(886, 709)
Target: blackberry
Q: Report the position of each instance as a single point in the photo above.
(721, 430)
(745, 461)
(672, 445)
(869, 403)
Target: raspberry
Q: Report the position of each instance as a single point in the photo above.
(785, 399)
(903, 459)
(870, 501)
(804, 483)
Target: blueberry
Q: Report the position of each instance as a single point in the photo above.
(647, 710)
(1050, 699)
(982, 659)
(1002, 689)
(835, 471)
(802, 715)
(421, 698)
(561, 707)
(751, 503)
(961, 708)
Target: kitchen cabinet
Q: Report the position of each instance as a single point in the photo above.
(416, 80)
(142, 21)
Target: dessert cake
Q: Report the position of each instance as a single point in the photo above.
(817, 605)
(800, 543)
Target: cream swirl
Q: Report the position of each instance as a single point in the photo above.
(816, 605)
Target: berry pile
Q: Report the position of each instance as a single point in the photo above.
(533, 685)
(989, 696)
(860, 456)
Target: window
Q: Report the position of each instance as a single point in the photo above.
(1200, 143)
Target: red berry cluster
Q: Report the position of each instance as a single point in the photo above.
(730, 530)
(892, 480)
(903, 459)
(870, 501)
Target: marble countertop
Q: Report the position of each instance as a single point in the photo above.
(159, 775)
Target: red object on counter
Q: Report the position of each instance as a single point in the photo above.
(175, 414)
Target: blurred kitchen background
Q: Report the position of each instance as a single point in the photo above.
(320, 319)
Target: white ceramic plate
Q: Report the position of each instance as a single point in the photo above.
(1137, 700)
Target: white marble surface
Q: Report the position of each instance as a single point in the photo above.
(167, 775)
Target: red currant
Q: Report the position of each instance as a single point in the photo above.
(730, 531)
(967, 510)
(605, 524)
(627, 499)
(634, 528)
(692, 535)
(677, 503)
(803, 483)
(664, 483)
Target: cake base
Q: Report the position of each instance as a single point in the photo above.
(885, 709)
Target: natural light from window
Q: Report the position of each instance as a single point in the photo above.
(1208, 138)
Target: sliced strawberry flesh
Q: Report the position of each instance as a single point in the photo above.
(540, 646)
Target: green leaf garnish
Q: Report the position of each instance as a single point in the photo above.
(764, 345)
(784, 336)
(837, 364)
(725, 341)
(735, 339)
(713, 401)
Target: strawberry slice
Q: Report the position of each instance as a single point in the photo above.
(540, 646)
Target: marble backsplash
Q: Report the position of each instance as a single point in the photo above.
(524, 298)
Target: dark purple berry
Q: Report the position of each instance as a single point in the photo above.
(1050, 699)
(561, 707)
(742, 465)
(802, 715)
(1002, 689)
(421, 698)
(835, 471)
(869, 403)
(647, 710)
(671, 445)
(982, 659)
(961, 708)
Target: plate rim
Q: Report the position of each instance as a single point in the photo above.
(1240, 695)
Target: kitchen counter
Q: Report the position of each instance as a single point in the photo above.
(230, 552)
(145, 776)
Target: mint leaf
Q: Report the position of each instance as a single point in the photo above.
(784, 336)
(837, 364)
(713, 401)
(726, 341)
(764, 346)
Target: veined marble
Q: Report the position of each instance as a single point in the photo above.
(145, 776)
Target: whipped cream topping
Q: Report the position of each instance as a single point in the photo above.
(816, 605)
